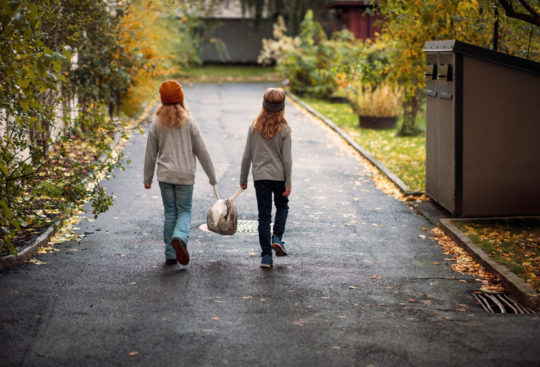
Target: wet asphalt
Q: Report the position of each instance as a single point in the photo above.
(361, 285)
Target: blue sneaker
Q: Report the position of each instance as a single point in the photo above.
(266, 261)
(278, 246)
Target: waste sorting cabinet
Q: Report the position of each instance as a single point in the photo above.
(482, 130)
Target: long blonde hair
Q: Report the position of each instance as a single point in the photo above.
(269, 123)
(172, 115)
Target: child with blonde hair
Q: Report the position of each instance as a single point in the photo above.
(174, 140)
(268, 150)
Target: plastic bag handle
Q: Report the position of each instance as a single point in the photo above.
(236, 195)
(215, 191)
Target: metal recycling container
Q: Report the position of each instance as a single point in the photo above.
(482, 131)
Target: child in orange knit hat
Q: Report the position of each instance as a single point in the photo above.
(174, 141)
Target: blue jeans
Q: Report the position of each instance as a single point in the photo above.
(264, 190)
(177, 204)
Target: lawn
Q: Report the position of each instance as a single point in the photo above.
(405, 156)
(229, 73)
(513, 243)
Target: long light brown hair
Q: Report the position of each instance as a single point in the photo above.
(172, 115)
(269, 123)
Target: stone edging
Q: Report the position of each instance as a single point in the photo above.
(514, 284)
(389, 174)
(12, 261)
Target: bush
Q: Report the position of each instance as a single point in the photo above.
(49, 156)
(316, 66)
(306, 61)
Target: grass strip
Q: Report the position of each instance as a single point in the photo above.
(405, 156)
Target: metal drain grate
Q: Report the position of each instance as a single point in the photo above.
(244, 226)
(500, 303)
(247, 226)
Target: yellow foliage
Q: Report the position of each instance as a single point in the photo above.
(145, 32)
(410, 23)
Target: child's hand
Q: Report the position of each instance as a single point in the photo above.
(147, 186)
(243, 186)
(287, 192)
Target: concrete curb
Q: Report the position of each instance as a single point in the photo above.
(514, 284)
(391, 176)
(12, 261)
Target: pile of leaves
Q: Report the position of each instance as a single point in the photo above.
(513, 243)
(463, 263)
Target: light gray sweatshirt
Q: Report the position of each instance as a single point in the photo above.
(175, 150)
(271, 158)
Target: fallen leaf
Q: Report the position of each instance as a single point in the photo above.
(376, 277)
(134, 353)
(436, 263)
(215, 318)
(300, 322)
(352, 287)
(37, 262)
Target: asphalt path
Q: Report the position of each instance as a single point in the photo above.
(361, 285)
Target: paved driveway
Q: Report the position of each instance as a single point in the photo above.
(358, 288)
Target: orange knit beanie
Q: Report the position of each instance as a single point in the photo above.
(171, 92)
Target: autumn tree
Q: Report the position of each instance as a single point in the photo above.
(410, 23)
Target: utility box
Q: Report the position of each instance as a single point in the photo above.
(482, 131)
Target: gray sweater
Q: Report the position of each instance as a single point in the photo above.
(175, 150)
(271, 158)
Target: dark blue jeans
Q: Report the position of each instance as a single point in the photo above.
(264, 190)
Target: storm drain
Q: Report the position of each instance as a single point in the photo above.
(244, 226)
(500, 303)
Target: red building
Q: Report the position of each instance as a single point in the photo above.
(357, 16)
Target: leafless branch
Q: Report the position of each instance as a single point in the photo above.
(532, 16)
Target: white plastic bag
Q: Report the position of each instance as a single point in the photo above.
(222, 217)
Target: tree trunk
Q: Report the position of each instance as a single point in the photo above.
(410, 113)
